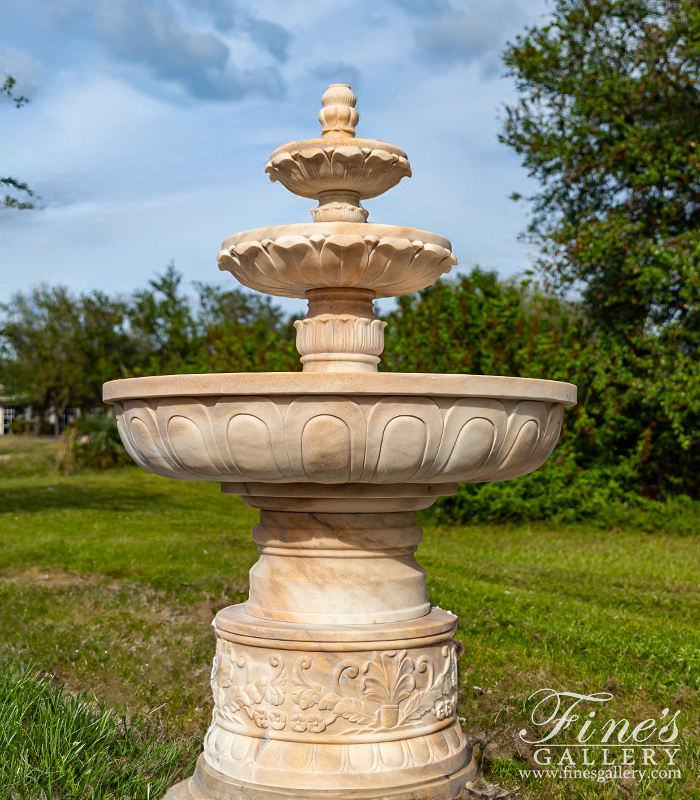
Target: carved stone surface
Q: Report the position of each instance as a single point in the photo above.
(299, 712)
(386, 384)
(363, 498)
(339, 439)
(331, 333)
(338, 169)
(328, 338)
(337, 568)
(335, 211)
(338, 116)
(310, 170)
(369, 699)
(288, 262)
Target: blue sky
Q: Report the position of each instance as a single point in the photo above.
(151, 122)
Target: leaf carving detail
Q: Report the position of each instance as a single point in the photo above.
(277, 688)
(353, 711)
(417, 704)
(328, 702)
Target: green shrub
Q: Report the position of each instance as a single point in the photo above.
(92, 442)
(565, 493)
(24, 427)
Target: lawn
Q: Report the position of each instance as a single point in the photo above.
(108, 583)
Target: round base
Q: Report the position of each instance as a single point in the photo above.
(208, 784)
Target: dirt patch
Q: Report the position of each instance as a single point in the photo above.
(50, 577)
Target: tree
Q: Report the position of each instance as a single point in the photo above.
(58, 349)
(162, 321)
(244, 332)
(608, 122)
(10, 200)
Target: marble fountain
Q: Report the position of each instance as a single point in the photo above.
(337, 678)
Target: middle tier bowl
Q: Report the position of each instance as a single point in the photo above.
(368, 428)
(287, 260)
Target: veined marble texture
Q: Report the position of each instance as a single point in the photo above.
(337, 678)
(339, 439)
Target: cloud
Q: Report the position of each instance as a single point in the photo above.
(186, 43)
(222, 13)
(474, 32)
(338, 72)
(424, 7)
(269, 35)
(27, 70)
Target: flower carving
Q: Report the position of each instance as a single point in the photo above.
(277, 720)
(389, 680)
(389, 692)
(237, 689)
(260, 718)
(315, 723)
(299, 723)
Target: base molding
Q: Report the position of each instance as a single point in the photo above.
(208, 784)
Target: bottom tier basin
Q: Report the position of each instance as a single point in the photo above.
(379, 428)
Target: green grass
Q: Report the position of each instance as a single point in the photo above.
(57, 745)
(108, 582)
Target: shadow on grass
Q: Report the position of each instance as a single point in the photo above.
(127, 489)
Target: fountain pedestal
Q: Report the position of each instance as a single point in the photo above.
(337, 679)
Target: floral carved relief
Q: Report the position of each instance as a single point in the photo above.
(243, 689)
(388, 691)
(374, 440)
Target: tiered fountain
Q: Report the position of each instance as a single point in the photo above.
(337, 678)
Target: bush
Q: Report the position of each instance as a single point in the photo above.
(565, 493)
(24, 427)
(92, 442)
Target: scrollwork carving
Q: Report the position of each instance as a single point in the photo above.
(388, 691)
(389, 695)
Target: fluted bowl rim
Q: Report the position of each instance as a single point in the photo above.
(406, 384)
(360, 229)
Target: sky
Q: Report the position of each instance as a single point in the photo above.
(151, 121)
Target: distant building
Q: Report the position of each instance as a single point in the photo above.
(14, 408)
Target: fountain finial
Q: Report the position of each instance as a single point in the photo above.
(338, 116)
(338, 169)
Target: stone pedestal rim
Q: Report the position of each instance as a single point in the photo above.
(234, 620)
(448, 787)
